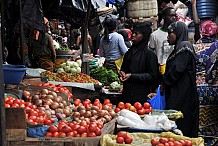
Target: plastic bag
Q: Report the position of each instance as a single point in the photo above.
(158, 102)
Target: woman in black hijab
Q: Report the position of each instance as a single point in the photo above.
(179, 79)
(139, 70)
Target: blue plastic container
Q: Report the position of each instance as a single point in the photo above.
(207, 8)
(13, 74)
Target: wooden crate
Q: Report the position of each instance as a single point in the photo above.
(16, 124)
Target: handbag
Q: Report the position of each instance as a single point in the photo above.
(158, 101)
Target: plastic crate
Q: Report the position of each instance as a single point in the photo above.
(13, 74)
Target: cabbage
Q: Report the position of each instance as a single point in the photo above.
(78, 69)
(72, 64)
(114, 86)
(67, 68)
(60, 70)
(79, 62)
(73, 70)
(63, 65)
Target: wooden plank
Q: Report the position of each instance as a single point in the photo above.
(16, 118)
(33, 143)
(15, 134)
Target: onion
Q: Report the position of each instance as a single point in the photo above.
(49, 97)
(59, 110)
(92, 119)
(35, 97)
(54, 105)
(87, 114)
(59, 116)
(82, 112)
(63, 116)
(108, 118)
(47, 102)
(74, 109)
(26, 94)
(44, 91)
(52, 112)
(81, 107)
(87, 119)
(38, 102)
(67, 112)
(61, 105)
(57, 99)
(76, 115)
(94, 112)
(54, 94)
(105, 107)
(101, 113)
(64, 103)
(95, 108)
(48, 113)
(46, 107)
(112, 113)
(41, 108)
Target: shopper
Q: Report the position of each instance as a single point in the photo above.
(79, 42)
(125, 37)
(139, 71)
(158, 39)
(42, 51)
(179, 81)
(112, 45)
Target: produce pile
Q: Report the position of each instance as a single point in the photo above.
(104, 76)
(68, 77)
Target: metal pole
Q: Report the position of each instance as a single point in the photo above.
(21, 34)
(85, 63)
(2, 105)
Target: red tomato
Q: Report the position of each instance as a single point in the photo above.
(167, 144)
(77, 135)
(55, 134)
(83, 123)
(48, 134)
(100, 126)
(128, 139)
(107, 101)
(188, 143)
(182, 142)
(91, 134)
(92, 127)
(15, 105)
(75, 132)
(176, 143)
(127, 105)
(146, 105)
(27, 103)
(122, 134)
(171, 139)
(97, 100)
(171, 143)
(138, 105)
(75, 127)
(98, 131)
(81, 129)
(53, 129)
(7, 105)
(141, 111)
(160, 144)
(120, 140)
(66, 129)
(61, 134)
(47, 122)
(117, 109)
(84, 134)
(76, 103)
(121, 105)
(154, 142)
(147, 111)
(163, 140)
(9, 101)
(32, 118)
(70, 134)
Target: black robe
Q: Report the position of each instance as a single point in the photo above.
(142, 63)
(180, 88)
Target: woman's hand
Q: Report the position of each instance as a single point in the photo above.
(151, 95)
(122, 73)
(126, 77)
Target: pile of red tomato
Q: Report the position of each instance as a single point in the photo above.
(170, 142)
(75, 129)
(137, 107)
(123, 137)
(33, 115)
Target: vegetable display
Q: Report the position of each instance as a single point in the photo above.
(104, 76)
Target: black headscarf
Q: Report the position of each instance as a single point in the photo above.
(110, 25)
(146, 30)
(180, 29)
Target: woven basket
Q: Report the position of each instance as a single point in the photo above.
(142, 8)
